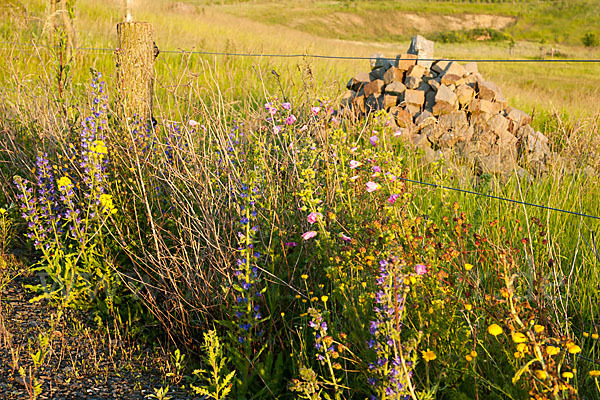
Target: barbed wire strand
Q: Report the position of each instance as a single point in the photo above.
(331, 57)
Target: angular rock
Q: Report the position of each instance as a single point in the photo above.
(414, 97)
(478, 106)
(403, 117)
(445, 101)
(395, 88)
(379, 60)
(416, 71)
(377, 73)
(393, 75)
(498, 124)
(490, 91)
(423, 48)
(412, 82)
(471, 68)
(390, 101)
(413, 109)
(373, 103)
(347, 98)
(358, 103)
(451, 79)
(434, 84)
(440, 66)
(424, 118)
(423, 87)
(465, 94)
(374, 87)
(455, 68)
(430, 100)
(518, 118)
(405, 61)
(359, 80)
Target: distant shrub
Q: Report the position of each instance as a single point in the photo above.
(590, 40)
(477, 34)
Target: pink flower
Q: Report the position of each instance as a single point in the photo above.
(277, 129)
(353, 178)
(291, 244)
(374, 140)
(313, 217)
(290, 120)
(391, 177)
(399, 132)
(304, 127)
(309, 235)
(355, 164)
(376, 168)
(372, 186)
(193, 123)
(392, 199)
(352, 150)
(270, 109)
(286, 106)
(345, 238)
(420, 269)
(315, 110)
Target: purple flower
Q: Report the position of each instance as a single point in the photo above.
(374, 140)
(420, 269)
(277, 129)
(290, 120)
(313, 217)
(392, 199)
(286, 106)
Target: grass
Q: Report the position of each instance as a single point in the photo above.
(180, 255)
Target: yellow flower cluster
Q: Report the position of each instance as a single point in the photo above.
(63, 183)
(99, 147)
(106, 201)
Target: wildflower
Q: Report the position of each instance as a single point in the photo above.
(469, 358)
(468, 307)
(473, 353)
(63, 183)
(291, 244)
(372, 186)
(399, 132)
(594, 373)
(518, 337)
(540, 374)
(428, 355)
(353, 178)
(518, 355)
(420, 269)
(304, 276)
(355, 164)
(594, 336)
(309, 235)
(286, 106)
(376, 169)
(538, 328)
(2, 210)
(99, 147)
(193, 123)
(315, 110)
(374, 140)
(290, 120)
(392, 199)
(313, 217)
(573, 349)
(468, 267)
(522, 348)
(277, 129)
(107, 203)
(567, 375)
(551, 350)
(494, 329)
(324, 299)
(585, 334)
(345, 238)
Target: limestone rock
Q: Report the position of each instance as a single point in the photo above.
(359, 80)
(416, 71)
(518, 118)
(445, 101)
(390, 101)
(379, 60)
(490, 91)
(393, 75)
(405, 61)
(478, 106)
(465, 94)
(414, 97)
(374, 87)
(451, 79)
(377, 73)
(411, 82)
(395, 88)
(423, 48)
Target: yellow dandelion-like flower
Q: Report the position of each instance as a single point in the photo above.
(494, 329)
(518, 355)
(469, 358)
(522, 347)
(99, 147)
(473, 354)
(106, 202)
(468, 307)
(567, 375)
(574, 349)
(314, 299)
(538, 328)
(552, 351)
(518, 337)
(304, 276)
(324, 299)
(540, 374)
(468, 267)
(585, 334)
(428, 355)
(2, 210)
(63, 182)
(594, 336)
(594, 373)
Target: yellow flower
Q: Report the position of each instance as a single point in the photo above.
(473, 354)
(494, 329)
(518, 355)
(594, 373)
(538, 328)
(567, 375)
(63, 182)
(519, 337)
(468, 307)
(585, 334)
(107, 203)
(594, 336)
(540, 374)
(2, 210)
(99, 147)
(314, 299)
(522, 347)
(468, 267)
(469, 358)
(428, 355)
(304, 276)
(324, 299)
(574, 349)
(551, 350)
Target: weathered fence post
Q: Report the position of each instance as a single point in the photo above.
(135, 70)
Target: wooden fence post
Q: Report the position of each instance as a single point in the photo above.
(135, 70)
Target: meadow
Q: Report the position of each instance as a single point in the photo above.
(255, 243)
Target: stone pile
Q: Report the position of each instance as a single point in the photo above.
(448, 109)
